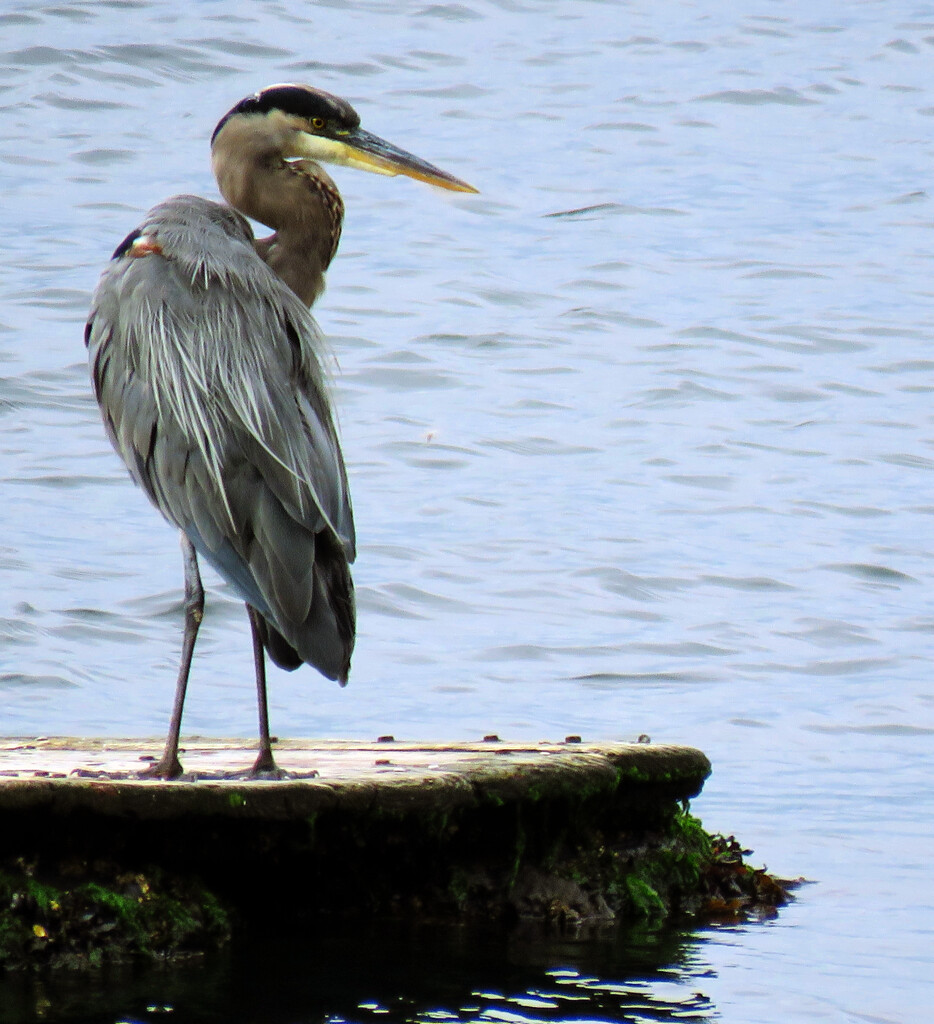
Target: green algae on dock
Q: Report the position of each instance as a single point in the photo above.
(565, 833)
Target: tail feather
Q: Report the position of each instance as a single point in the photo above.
(326, 638)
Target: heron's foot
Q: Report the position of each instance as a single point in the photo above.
(265, 767)
(269, 774)
(165, 768)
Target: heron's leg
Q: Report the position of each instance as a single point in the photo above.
(169, 766)
(265, 763)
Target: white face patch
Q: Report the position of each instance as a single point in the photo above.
(333, 151)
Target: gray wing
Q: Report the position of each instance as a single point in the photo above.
(207, 372)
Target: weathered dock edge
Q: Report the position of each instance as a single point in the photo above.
(398, 777)
(111, 866)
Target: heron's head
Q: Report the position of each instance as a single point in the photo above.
(302, 122)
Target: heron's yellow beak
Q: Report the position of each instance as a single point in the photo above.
(367, 152)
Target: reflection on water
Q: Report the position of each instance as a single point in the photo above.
(392, 974)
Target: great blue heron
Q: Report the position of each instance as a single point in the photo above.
(207, 367)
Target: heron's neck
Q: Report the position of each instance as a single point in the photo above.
(298, 200)
(300, 250)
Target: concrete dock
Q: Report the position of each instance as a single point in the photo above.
(99, 864)
(61, 775)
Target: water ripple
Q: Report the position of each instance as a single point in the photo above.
(758, 97)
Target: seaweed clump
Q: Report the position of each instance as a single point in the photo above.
(679, 872)
(732, 888)
(88, 913)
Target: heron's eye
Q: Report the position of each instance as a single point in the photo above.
(317, 122)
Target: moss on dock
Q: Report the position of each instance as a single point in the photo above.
(103, 913)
